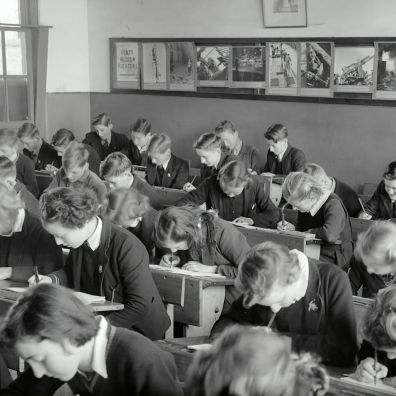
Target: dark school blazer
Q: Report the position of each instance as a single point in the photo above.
(174, 176)
(293, 161)
(207, 171)
(322, 322)
(380, 205)
(25, 173)
(118, 142)
(124, 272)
(349, 198)
(46, 156)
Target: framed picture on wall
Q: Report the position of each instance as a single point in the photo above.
(154, 66)
(182, 66)
(353, 68)
(283, 68)
(212, 66)
(125, 64)
(317, 69)
(248, 67)
(285, 13)
(384, 70)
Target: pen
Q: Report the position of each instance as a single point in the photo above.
(361, 204)
(192, 181)
(36, 275)
(271, 320)
(375, 366)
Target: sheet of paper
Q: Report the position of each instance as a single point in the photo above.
(89, 298)
(379, 385)
(17, 289)
(199, 347)
(185, 272)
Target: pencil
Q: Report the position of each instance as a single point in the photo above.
(36, 275)
(361, 204)
(375, 366)
(192, 181)
(283, 215)
(271, 320)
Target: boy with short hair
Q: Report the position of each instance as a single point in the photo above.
(8, 178)
(66, 343)
(164, 169)
(116, 171)
(75, 169)
(9, 147)
(37, 149)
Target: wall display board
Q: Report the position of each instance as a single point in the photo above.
(154, 66)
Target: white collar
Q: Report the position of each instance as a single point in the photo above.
(280, 155)
(94, 240)
(19, 221)
(319, 203)
(302, 283)
(165, 164)
(98, 361)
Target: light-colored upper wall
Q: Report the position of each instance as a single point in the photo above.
(68, 65)
(222, 18)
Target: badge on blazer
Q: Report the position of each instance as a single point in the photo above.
(168, 175)
(312, 306)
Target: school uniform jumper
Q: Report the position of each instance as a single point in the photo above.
(93, 159)
(135, 367)
(251, 157)
(253, 202)
(380, 205)
(322, 322)
(331, 224)
(121, 266)
(47, 155)
(25, 173)
(32, 246)
(134, 154)
(118, 142)
(144, 188)
(349, 198)
(207, 171)
(174, 176)
(293, 160)
(89, 179)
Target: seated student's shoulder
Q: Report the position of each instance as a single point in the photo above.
(330, 272)
(91, 137)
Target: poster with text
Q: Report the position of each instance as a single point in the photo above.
(154, 66)
(248, 67)
(317, 69)
(385, 71)
(182, 66)
(283, 68)
(212, 66)
(353, 69)
(127, 65)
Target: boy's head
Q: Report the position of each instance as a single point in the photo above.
(75, 161)
(159, 149)
(10, 205)
(277, 138)
(30, 136)
(7, 172)
(103, 126)
(228, 132)
(9, 143)
(61, 140)
(318, 173)
(390, 180)
(116, 171)
(48, 326)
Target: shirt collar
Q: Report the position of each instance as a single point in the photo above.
(333, 184)
(238, 147)
(319, 203)
(19, 221)
(280, 155)
(302, 283)
(165, 164)
(94, 240)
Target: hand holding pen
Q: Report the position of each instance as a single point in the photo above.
(370, 371)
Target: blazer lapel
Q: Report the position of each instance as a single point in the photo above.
(168, 172)
(286, 160)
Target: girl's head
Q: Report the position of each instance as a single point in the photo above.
(228, 133)
(390, 180)
(208, 148)
(233, 178)
(177, 228)
(9, 143)
(29, 135)
(10, 205)
(126, 207)
(159, 148)
(267, 276)
(236, 365)
(141, 132)
(61, 140)
(75, 161)
(277, 138)
(103, 125)
(376, 247)
(301, 191)
(379, 324)
(65, 213)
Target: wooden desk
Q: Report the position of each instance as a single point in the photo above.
(273, 187)
(183, 358)
(201, 298)
(304, 242)
(359, 226)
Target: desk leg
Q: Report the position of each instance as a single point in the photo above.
(212, 305)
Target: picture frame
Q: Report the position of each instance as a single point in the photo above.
(384, 79)
(125, 64)
(182, 60)
(213, 65)
(154, 66)
(285, 13)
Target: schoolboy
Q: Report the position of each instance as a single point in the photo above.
(61, 140)
(233, 144)
(164, 169)
(37, 149)
(66, 343)
(117, 172)
(8, 179)
(104, 140)
(75, 169)
(9, 147)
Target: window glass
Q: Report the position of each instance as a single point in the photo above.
(2, 104)
(17, 89)
(9, 11)
(15, 43)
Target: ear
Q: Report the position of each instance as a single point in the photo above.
(110, 126)
(86, 166)
(68, 347)
(390, 254)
